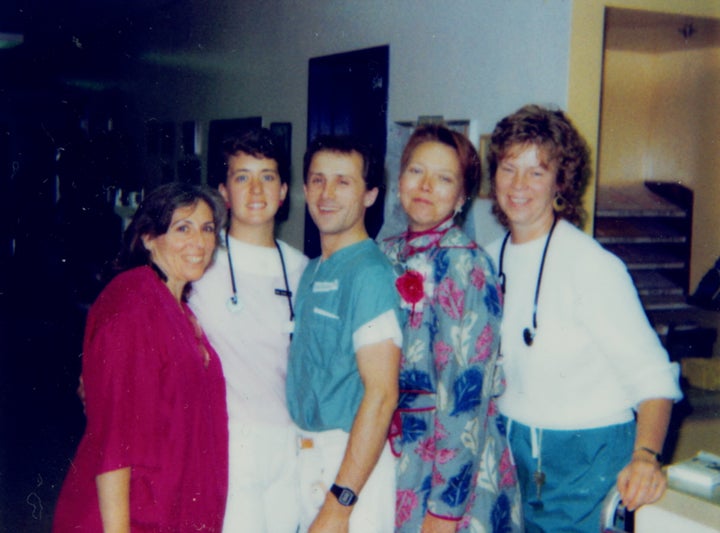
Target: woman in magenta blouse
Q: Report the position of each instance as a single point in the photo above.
(154, 453)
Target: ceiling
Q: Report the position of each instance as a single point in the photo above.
(75, 42)
(650, 32)
(97, 38)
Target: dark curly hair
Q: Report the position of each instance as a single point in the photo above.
(256, 142)
(470, 164)
(554, 134)
(260, 143)
(154, 216)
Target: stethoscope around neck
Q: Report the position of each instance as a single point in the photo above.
(528, 334)
(233, 303)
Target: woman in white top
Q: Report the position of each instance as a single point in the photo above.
(244, 303)
(589, 386)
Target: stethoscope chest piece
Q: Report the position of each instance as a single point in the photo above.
(234, 304)
(528, 336)
(528, 333)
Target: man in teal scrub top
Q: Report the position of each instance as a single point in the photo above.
(342, 382)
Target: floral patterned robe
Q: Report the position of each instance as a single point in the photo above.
(454, 460)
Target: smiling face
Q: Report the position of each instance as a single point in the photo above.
(525, 185)
(185, 250)
(337, 197)
(254, 192)
(431, 185)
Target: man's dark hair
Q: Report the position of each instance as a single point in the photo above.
(344, 144)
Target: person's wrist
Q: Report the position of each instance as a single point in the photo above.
(345, 495)
(334, 507)
(644, 453)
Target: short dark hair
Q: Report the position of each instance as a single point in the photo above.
(154, 215)
(468, 158)
(551, 131)
(345, 144)
(256, 142)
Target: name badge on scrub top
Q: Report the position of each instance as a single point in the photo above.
(325, 286)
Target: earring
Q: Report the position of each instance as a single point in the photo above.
(558, 203)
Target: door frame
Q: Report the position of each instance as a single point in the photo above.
(586, 60)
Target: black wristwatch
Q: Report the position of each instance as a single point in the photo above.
(344, 495)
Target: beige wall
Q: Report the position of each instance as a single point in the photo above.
(659, 122)
(660, 109)
(651, 109)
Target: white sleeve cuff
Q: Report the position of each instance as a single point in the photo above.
(378, 329)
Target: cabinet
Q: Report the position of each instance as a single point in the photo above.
(648, 225)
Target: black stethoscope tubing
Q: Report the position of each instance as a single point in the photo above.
(528, 334)
(287, 293)
(280, 292)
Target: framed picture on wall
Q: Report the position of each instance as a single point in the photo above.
(167, 140)
(152, 137)
(283, 132)
(190, 141)
(218, 131)
(483, 145)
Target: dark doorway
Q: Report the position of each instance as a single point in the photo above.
(347, 95)
(219, 131)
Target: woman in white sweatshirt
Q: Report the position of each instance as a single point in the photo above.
(589, 386)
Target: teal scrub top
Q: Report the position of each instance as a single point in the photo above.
(335, 297)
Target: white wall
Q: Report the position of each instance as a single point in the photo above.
(475, 59)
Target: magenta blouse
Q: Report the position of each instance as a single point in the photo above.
(155, 402)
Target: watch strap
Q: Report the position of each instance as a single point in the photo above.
(656, 455)
(344, 495)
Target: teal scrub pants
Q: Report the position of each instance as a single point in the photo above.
(580, 467)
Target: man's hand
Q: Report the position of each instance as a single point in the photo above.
(379, 366)
(332, 517)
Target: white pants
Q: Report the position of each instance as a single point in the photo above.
(263, 487)
(318, 466)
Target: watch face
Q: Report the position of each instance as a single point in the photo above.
(346, 497)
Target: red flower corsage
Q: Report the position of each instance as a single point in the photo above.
(410, 286)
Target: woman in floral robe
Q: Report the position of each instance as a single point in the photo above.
(455, 471)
